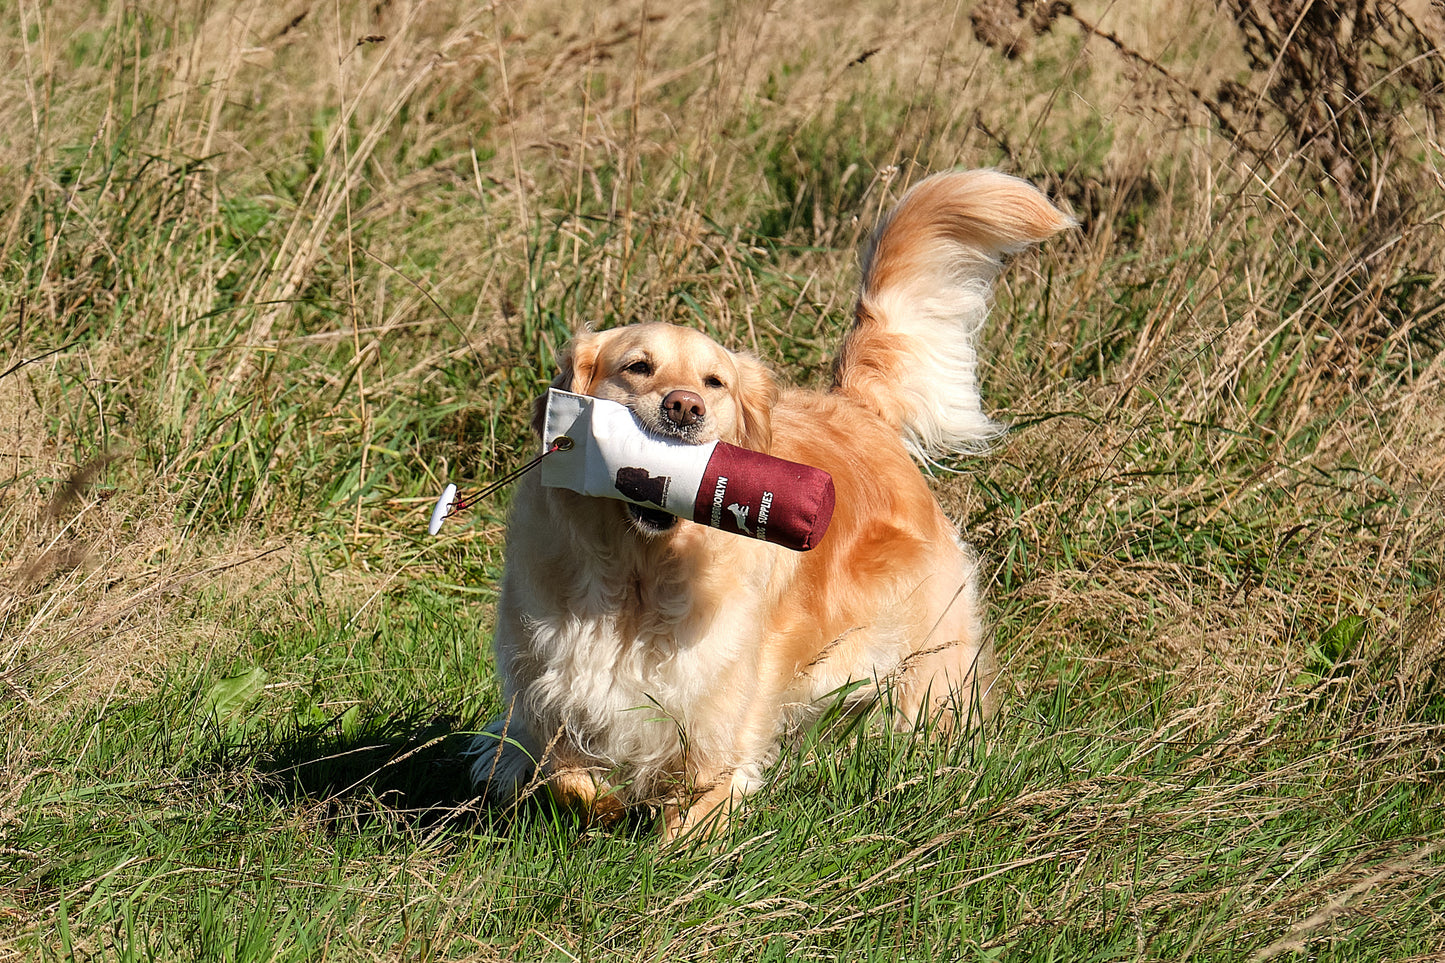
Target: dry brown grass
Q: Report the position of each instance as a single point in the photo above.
(287, 267)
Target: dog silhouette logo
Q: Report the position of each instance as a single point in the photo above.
(640, 485)
(740, 515)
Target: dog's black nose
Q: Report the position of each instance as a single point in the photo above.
(683, 408)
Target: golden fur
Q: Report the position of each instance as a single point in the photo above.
(665, 666)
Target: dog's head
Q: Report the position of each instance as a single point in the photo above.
(679, 383)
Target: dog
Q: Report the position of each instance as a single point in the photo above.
(650, 661)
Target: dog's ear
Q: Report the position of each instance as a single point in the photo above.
(578, 368)
(757, 393)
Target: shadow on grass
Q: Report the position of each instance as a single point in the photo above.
(409, 767)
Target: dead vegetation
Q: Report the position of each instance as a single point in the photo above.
(270, 274)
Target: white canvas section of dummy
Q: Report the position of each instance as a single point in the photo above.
(613, 456)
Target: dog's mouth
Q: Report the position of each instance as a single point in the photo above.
(687, 434)
(692, 434)
(650, 521)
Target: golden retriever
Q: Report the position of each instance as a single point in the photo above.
(648, 660)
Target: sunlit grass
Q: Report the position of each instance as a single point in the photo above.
(269, 278)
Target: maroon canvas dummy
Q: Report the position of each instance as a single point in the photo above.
(716, 484)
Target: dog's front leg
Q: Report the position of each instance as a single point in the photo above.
(582, 790)
(705, 809)
(715, 789)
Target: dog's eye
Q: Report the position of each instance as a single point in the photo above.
(643, 368)
(713, 381)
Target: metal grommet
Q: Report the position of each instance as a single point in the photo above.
(562, 443)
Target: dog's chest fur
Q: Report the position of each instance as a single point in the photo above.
(632, 641)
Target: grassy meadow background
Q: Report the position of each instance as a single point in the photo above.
(271, 273)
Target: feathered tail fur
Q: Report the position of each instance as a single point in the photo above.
(928, 274)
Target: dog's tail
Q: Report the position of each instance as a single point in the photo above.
(928, 273)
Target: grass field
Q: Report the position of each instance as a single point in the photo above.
(270, 274)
